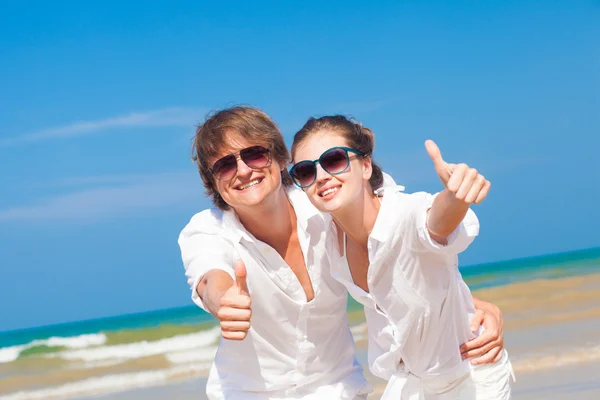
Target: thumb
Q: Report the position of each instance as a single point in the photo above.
(239, 269)
(438, 162)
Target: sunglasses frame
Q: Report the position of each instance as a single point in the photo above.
(238, 157)
(314, 162)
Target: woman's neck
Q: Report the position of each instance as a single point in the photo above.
(358, 218)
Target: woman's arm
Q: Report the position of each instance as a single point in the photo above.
(464, 186)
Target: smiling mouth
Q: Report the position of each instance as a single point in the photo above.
(250, 184)
(329, 191)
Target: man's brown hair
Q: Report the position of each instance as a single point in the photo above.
(250, 124)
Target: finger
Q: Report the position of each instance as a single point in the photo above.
(491, 357)
(236, 301)
(457, 177)
(477, 320)
(235, 326)
(438, 162)
(239, 269)
(490, 336)
(479, 351)
(233, 314)
(483, 193)
(467, 183)
(234, 335)
(475, 189)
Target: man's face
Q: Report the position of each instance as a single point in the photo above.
(249, 187)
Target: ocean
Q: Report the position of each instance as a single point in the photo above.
(554, 295)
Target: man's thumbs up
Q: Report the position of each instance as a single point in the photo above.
(234, 308)
(239, 268)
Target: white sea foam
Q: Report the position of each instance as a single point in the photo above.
(194, 356)
(10, 354)
(130, 351)
(555, 359)
(109, 383)
(360, 328)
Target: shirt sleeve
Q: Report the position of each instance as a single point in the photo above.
(458, 241)
(204, 247)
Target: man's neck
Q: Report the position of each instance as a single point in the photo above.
(358, 219)
(272, 222)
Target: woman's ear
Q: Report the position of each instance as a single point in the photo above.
(367, 168)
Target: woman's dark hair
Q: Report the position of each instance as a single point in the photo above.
(358, 137)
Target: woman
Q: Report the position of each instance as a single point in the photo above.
(398, 255)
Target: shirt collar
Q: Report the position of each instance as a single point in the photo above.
(383, 224)
(303, 208)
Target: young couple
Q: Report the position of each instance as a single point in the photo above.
(274, 261)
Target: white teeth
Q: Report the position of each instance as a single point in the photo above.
(325, 193)
(251, 183)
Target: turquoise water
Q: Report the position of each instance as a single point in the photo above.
(188, 315)
(478, 276)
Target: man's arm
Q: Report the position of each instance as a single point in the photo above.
(218, 285)
(211, 288)
(487, 347)
(227, 300)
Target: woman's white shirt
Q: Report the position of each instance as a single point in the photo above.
(418, 307)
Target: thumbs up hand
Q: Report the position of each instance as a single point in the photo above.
(234, 307)
(467, 185)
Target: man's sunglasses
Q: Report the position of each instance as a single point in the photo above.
(255, 157)
(334, 161)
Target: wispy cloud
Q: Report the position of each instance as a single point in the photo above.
(172, 116)
(132, 194)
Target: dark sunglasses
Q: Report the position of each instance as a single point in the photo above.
(255, 157)
(334, 161)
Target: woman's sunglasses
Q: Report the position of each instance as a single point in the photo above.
(334, 161)
(255, 157)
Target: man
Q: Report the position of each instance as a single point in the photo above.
(259, 261)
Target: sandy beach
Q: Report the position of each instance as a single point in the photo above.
(551, 332)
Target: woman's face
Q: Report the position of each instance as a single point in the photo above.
(330, 193)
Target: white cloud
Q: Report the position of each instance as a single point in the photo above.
(131, 195)
(172, 116)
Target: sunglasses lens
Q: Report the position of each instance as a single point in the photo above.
(334, 161)
(304, 173)
(225, 168)
(255, 156)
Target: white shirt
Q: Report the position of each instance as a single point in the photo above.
(294, 349)
(419, 307)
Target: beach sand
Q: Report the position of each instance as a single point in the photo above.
(551, 327)
(552, 333)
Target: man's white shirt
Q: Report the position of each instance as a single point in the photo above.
(294, 348)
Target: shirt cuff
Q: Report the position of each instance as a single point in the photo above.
(457, 241)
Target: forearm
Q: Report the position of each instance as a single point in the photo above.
(212, 287)
(445, 215)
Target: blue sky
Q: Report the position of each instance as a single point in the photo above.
(99, 102)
